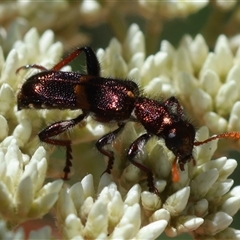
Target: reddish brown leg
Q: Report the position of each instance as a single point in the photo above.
(93, 67)
(135, 147)
(55, 129)
(107, 139)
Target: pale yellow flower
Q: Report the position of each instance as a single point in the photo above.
(80, 214)
(172, 8)
(206, 82)
(201, 203)
(23, 193)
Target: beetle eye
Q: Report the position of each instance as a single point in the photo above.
(172, 135)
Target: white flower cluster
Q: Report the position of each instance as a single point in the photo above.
(65, 17)
(171, 9)
(60, 16)
(201, 203)
(164, 74)
(107, 217)
(178, 8)
(207, 82)
(24, 193)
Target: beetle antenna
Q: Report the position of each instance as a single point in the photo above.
(233, 135)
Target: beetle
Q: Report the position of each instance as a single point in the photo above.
(109, 100)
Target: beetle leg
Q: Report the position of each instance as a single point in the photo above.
(107, 139)
(135, 147)
(55, 129)
(93, 66)
(36, 66)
